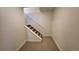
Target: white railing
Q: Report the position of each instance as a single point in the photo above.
(29, 21)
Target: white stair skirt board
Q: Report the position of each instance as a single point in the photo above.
(59, 47)
(21, 45)
(33, 32)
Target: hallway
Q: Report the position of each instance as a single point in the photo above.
(47, 44)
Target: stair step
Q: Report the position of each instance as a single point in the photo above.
(31, 27)
(28, 25)
(35, 31)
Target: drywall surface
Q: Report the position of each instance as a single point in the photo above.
(31, 37)
(12, 33)
(42, 21)
(65, 28)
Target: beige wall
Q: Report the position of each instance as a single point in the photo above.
(65, 28)
(12, 32)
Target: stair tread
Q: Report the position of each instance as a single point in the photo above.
(35, 31)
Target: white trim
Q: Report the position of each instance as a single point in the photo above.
(32, 32)
(20, 46)
(57, 44)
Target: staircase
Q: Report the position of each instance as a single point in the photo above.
(30, 20)
(35, 28)
(34, 31)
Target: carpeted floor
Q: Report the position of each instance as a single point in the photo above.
(47, 44)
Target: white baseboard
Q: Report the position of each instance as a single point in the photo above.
(21, 45)
(58, 45)
(60, 49)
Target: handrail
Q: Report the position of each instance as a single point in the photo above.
(42, 30)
